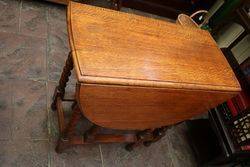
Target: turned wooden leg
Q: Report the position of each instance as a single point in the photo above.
(61, 145)
(90, 134)
(70, 131)
(157, 135)
(147, 137)
(60, 89)
(131, 146)
(73, 105)
(141, 137)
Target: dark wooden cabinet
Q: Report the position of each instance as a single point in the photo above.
(64, 2)
(167, 8)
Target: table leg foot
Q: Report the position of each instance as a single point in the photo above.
(147, 143)
(62, 144)
(73, 105)
(130, 147)
(53, 107)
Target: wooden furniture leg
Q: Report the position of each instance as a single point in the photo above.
(69, 132)
(158, 134)
(147, 137)
(60, 89)
(90, 134)
(68, 136)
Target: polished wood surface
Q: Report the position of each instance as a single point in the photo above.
(129, 107)
(112, 47)
(137, 73)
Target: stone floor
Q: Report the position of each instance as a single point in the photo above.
(33, 49)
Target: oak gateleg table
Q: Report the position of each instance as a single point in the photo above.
(138, 75)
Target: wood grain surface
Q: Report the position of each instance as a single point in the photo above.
(135, 72)
(129, 107)
(128, 49)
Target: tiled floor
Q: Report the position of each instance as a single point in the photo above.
(33, 49)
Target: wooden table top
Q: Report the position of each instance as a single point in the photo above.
(111, 47)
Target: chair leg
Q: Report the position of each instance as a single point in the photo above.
(60, 89)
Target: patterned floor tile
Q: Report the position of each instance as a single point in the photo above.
(79, 156)
(22, 56)
(9, 15)
(10, 41)
(30, 111)
(56, 13)
(115, 155)
(56, 63)
(34, 18)
(179, 147)
(5, 109)
(21, 153)
(58, 42)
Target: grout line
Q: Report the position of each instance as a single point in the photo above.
(4, 139)
(24, 139)
(100, 149)
(11, 86)
(26, 35)
(47, 89)
(41, 79)
(32, 139)
(46, 69)
(170, 155)
(20, 14)
(12, 110)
